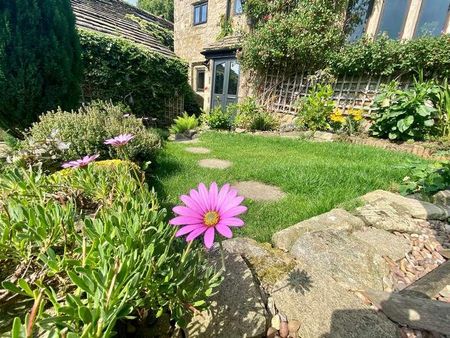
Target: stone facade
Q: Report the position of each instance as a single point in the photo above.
(191, 40)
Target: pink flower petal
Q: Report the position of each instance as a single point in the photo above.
(184, 211)
(233, 212)
(231, 203)
(232, 222)
(209, 237)
(223, 230)
(195, 233)
(184, 220)
(191, 203)
(187, 229)
(196, 197)
(204, 194)
(223, 194)
(213, 192)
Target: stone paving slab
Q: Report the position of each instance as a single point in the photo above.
(197, 150)
(259, 191)
(214, 164)
(337, 219)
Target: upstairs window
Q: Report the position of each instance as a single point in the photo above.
(238, 7)
(393, 18)
(357, 16)
(432, 18)
(200, 13)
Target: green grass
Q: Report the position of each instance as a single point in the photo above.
(316, 176)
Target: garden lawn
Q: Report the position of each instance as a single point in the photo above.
(317, 177)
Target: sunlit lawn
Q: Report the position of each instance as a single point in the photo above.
(316, 176)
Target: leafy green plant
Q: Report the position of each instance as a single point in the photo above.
(118, 70)
(94, 262)
(443, 107)
(226, 27)
(426, 179)
(184, 123)
(86, 129)
(409, 114)
(314, 109)
(217, 118)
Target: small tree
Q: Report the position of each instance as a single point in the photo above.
(163, 8)
(40, 60)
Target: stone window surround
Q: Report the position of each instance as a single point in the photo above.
(197, 70)
(199, 4)
(410, 20)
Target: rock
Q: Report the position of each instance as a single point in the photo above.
(259, 191)
(276, 322)
(240, 130)
(349, 260)
(337, 219)
(270, 265)
(293, 326)
(384, 243)
(214, 164)
(407, 206)
(272, 332)
(326, 309)
(237, 310)
(442, 198)
(284, 329)
(382, 215)
(181, 137)
(323, 136)
(197, 150)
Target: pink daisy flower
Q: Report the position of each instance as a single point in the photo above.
(82, 162)
(120, 140)
(207, 211)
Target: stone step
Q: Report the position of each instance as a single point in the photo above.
(337, 219)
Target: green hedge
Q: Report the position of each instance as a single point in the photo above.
(118, 70)
(385, 56)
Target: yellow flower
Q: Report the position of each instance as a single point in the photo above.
(357, 114)
(337, 116)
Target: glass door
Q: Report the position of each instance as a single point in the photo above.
(226, 82)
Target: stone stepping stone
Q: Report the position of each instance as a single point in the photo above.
(259, 191)
(197, 150)
(215, 164)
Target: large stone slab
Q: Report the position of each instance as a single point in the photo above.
(349, 260)
(412, 207)
(384, 242)
(237, 310)
(382, 215)
(326, 309)
(337, 219)
(270, 265)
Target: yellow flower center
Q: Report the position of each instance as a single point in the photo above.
(211, 218)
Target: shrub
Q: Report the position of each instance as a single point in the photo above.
(426, 179)
(384, 56)
(40, 62)
(87, 128)
(443, 107)
(217, 118)
(348, 122)
(93, 264)
(314, 109)
(184, 123)
(406, 114)
(249, 115)
(123, 72)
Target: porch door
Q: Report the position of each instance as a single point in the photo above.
(225, 82)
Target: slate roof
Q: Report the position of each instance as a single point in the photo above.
(110, 17)
(227, 43)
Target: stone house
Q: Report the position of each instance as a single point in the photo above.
(214, 71)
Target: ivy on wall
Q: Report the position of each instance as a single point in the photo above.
(118, 70)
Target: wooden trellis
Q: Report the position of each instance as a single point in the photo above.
(279, 93)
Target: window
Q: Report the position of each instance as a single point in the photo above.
(358, 15)
(238, 7)
(393, 17)
(432, 17)
(200, 13)
(200, 80)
